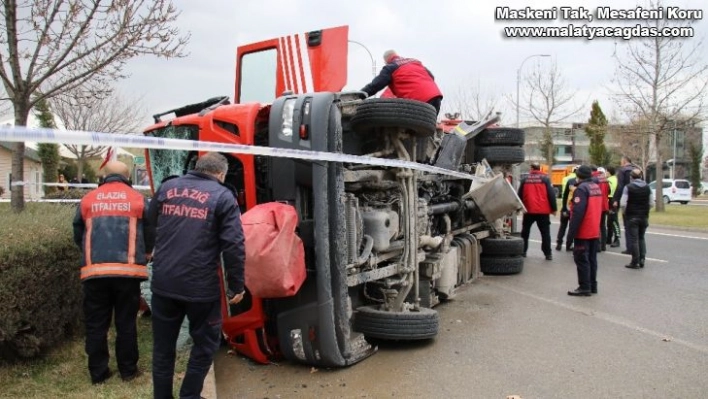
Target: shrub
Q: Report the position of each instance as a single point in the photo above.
(79, 193)
(40, 294)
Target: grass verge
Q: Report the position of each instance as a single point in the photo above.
(63, 373)
(680, 216)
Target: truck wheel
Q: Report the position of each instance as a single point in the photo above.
(501, 154)
(506, 246)
(381, 324)
(375, 113)
(500, 136)
(501, 265)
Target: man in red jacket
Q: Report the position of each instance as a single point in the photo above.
(598, 176)
(539, 198)
(407, 78)
(584, 227)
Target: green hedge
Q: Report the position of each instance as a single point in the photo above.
(40, 291)
(79, 193)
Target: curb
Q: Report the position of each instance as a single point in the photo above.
(209, 389)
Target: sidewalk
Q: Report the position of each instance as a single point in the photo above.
(209, 390)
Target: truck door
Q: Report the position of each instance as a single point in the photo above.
(302, 63)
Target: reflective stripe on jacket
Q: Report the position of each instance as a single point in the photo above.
(109, 227)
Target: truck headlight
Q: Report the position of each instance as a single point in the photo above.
(288, 112)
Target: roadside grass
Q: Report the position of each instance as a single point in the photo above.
(63, 372)
(680, 216)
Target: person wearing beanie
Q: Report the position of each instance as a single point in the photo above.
(623, 179)
(636, 202)
(538, 196)
(584, 228)
(406, 78)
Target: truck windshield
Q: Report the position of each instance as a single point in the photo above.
(164, 163)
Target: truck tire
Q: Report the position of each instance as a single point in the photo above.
(405, 326)
(501, 265)
(501, 136)
(501, 154)
(416, 116)
(505, 246)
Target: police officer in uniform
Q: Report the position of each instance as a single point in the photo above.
(539, 198)
(567, 188)
(584, 227)
(198, 220)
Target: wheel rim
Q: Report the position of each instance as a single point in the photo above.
(666, 199)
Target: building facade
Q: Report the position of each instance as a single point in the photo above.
(34, 175)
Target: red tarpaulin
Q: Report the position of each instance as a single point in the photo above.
(275, 256)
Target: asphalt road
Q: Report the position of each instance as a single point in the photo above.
(645, 335)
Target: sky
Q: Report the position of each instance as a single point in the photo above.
(458, 40)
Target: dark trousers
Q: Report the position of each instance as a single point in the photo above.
(637, 226)
(103, 297)
(544, 226)
(613, 227)
(603, 231)
(585, 256)
(205, 330)
(436, 102)
(625, 225)
(564, 219)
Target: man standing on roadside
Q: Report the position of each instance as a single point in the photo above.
(111, 229)
(585, 230)
(538, 197)
(636, 201)
(567, 188)
(198, 222)
(613, 227)
(598, 176)
(622, 180)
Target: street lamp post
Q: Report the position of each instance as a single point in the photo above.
(373, 62)
(518, 83)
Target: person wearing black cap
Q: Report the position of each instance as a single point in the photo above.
(539, 198)
(585, 229)
(636, 201)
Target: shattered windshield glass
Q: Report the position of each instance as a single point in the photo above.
(166, 163)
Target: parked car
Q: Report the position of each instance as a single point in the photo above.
(678, 190)
(703, 189)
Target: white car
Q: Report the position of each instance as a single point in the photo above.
(678, 190)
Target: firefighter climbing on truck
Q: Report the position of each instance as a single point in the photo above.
(406, 78)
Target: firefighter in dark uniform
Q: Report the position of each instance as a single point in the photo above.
(407, 78)
(598, 176)
(111, 229)
(539, 198)
(197, 219)
(585, 229)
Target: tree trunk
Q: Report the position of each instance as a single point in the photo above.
(80, 163)
(17, 196)
(659, 174)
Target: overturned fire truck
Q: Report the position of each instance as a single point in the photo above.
(382, 246)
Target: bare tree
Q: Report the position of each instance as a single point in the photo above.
(549, 102)
(473, 101)
(79, 110)
(664, 78)
(48, 47)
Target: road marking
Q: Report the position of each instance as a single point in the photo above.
(619, 254)
(606, 317)
(658, 234)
